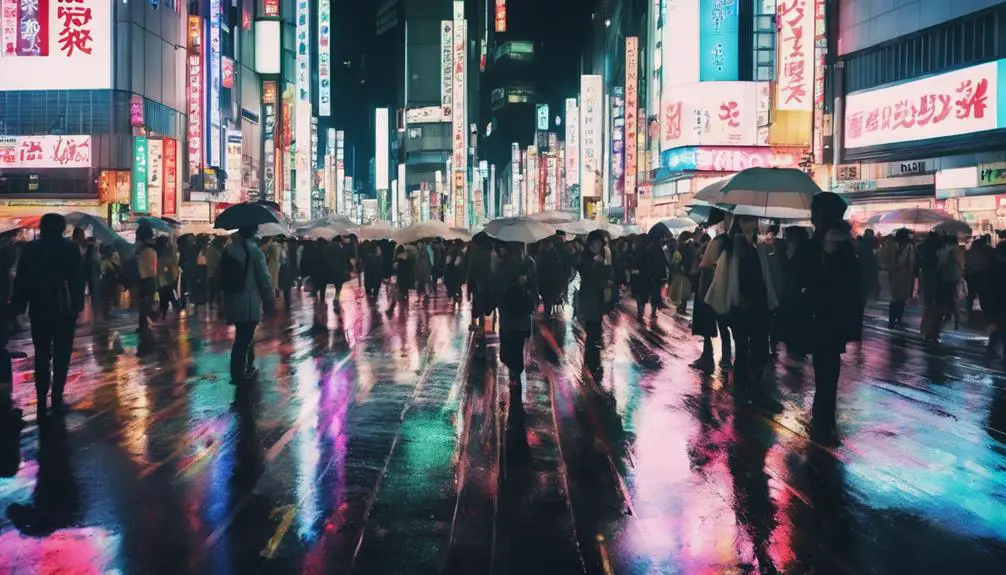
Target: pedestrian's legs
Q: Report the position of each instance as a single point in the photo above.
(242, 354)
(41, 339)
(62, 350)
(742, 355)
(827, 366)
(726, 355)
(165, 294)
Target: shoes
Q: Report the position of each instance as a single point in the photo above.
(703, 363)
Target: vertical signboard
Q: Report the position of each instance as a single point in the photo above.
(271, 8)
(591, 135)
(302, 136)
(324, 56)
(232, 163)
(446, 68)
(501, 15)
(139, 198)
(680, 43)
(617, 157)
(718, 40)
(820, 56)
(532, 177)
(794, 89)
(169, 207)
(381, 150)
(342, 200)
(459, 121)
(572, 147)
(155, 177)
(631, 119)
(213, 139)
(269, 140)
(194, 95)
(541, 117)
(514, 174)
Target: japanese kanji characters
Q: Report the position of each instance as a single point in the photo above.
(75, 32)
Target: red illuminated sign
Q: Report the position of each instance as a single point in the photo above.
(271, 9)
(194, 96)
(31, 18)
(45, 151)
(74, 23)
(168, 207)
(227, 73)
(795, 88)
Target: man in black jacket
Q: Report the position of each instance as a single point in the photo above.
(50, 284)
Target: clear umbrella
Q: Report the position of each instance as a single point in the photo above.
(555, 217)
(519, 229)
(776, 193)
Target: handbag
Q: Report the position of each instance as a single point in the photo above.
(724, 290)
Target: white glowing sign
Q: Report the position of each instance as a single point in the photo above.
(342, 199)
(959, 102)
(213, 139)
(155, 176)
(324, 57)
(572, 142)
(194, 95)
(795, 85)
(591, 134)
(381, 149)
(459, 146)
(302, 133)
(45, 152)
(713, 114)
(55, 44)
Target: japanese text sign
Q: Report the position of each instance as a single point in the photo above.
(324, 64)
(727, 159)
(501, 15)
(140, 200)
(591, 134)
(194, 97)
(446, 66)
(713, 114)
(795, 82)
(45, 152)
(959, 102)
(55, 44)
(631, 111)
(718, 40)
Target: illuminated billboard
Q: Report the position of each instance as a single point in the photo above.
(381, 149)
(680, 44)
(572, 143)
(139, 199)
(34, 152)
(213, 134)
(459, 122)
(960, 102)
(591, 134)
(269, 140)
(155, 177)
(302, 132)
(631, 116)
(194, 95)
(795, 83)
(718, 40)
(726, 159)
(324, 56)
(54, 45)
(541, 117)
(501, 15)
(342, 199)
(714, 114)
(169, 207)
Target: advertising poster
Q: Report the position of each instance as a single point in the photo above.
(572, 147)
(55, 45)
(631, 118)
(718, 40)
(234, 193)
(341, 198)
(795, 87)
(591, 135)
(541, 117)
(446, 68)
(713, 114)
(45, 152)
(617, 157)
(194, 95)
(155, 177)
(302, 134)
(139, 199)
(169, 207)
(500, 15)
(459, 122)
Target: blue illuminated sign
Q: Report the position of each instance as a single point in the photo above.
(679, 159)
(718, 45)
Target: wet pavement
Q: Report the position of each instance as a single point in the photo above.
(394, 445)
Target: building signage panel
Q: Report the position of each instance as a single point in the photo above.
(381, 161)
(35, 152)
(631, 114)
(541, 117)
(591, 135)
(460, 139)
(795, 84)
(727, 159)
(194, 95)
(55, 45)
(139, 199)
(713, 114)
(155, 177)
(446, 67)
(271, 9)
(169, 207)
(269, 140)
(993, 174)
(501, 15)
(427, 115)
(718, 40)
(324, 56)
(961, 102)
(214, 131)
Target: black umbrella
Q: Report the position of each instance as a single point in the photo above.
(659, 231)
(247, 214)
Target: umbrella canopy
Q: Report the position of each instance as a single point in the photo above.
(423, 230)
(520, 229)
(157, 224)
(579, 228)
(678, 225)
(462, 234)
(97, 226)
(322, 233)
(248, 214)
(271, 229)
(953, 228)
(921, 217)
(777, 193)
(375, 231)
(555, 217)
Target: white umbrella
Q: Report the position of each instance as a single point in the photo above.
(423, 230)
(911, 217)
(678, 225)
(273, 229)
(520, 229)
(778, 193)
(555, 217)
(462, 234)
(579, 228)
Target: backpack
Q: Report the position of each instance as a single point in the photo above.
(233, 274)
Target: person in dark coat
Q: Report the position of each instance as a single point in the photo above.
(373, 269)
(551, 276)
(50, 285)
(640, 282)
(595, 274)
(244, 309)
(830, 277)
(517, 280)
